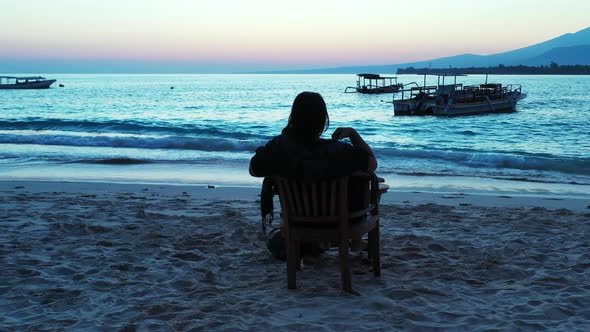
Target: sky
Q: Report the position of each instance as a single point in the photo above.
(234, 35)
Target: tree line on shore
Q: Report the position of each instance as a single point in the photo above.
(552, 69)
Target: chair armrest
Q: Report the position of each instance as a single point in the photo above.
(360, 213)
(360, 174)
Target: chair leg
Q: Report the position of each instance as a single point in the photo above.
(292, 263)
(375, 250)
(345, 277)
(371, 249)
(370, 252)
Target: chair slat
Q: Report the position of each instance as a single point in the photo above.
(324, 198)
(297, 195)
(305, 196)
(314, 199)
(333, 194)
(291, 206)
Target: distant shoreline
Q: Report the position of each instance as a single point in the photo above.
(401, 71)
(552, 69)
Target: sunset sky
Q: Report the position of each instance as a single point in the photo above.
(278, 34)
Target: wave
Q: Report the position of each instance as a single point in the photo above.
(474, 159)
(116, 161)
(446, 158)
(467, 133)
(496, 177)
(121, 126)
(140, 142)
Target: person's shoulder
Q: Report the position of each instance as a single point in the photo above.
(280, 144)
(277, 140)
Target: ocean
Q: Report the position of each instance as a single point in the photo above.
(203, 129)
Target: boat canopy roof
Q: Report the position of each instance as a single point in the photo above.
(442, 74)
(24, 78)
(373, 76)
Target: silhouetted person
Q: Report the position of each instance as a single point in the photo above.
(299, 151)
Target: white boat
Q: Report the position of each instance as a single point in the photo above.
(374, 83)
(456, 99)
(32, 82)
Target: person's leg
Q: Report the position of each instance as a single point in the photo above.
(266, 203)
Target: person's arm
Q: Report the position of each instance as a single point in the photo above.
(358, 141)
(252, 171)
(258, 164)
(266, 161)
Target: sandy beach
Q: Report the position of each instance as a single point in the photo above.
(104, 256)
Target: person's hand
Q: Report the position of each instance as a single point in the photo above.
(343, 132)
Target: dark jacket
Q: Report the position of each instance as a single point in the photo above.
(320, 159)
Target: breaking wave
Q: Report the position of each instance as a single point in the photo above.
(120, 126)
(474, 159)
(140, 142)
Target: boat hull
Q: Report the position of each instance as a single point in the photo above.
(505, 105)
(29, 85)
(385, 89)
(406, 108)
(413, 107)
(431, 107)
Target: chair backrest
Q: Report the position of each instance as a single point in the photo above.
(323, 201)
(318, 201)
(319, 210)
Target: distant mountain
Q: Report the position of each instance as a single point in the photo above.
(572, 55)
(570, 49)
(567, 49)
(526, 54)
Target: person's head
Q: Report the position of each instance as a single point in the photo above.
(309, 117)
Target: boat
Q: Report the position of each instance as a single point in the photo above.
(456, 99)
(31, 82)
(374, 83)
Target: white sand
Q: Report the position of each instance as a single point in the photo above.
(129, 256)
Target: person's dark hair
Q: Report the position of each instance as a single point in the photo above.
(308, 119)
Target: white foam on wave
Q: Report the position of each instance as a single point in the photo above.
(132, 141)
(498, 160)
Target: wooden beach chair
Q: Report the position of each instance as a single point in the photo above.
(319, 211)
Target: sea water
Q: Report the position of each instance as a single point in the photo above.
(203, 129)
